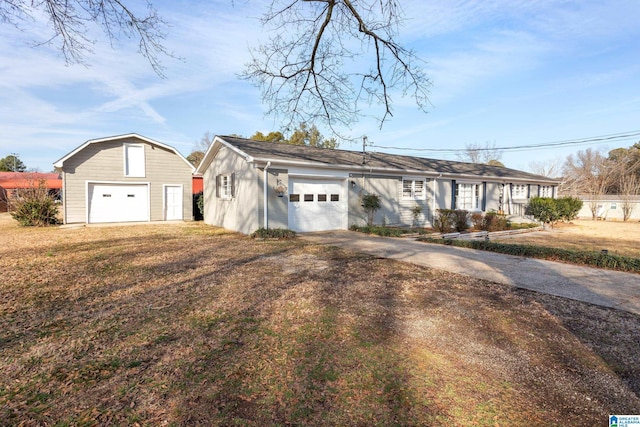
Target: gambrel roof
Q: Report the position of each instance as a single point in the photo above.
(60, 163)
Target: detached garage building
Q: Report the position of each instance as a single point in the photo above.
(126, 178)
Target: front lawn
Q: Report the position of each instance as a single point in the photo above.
(184, 324)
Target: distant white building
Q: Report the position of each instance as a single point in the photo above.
(609, 207)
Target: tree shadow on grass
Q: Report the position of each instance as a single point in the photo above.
(231, 331)
(612, 334)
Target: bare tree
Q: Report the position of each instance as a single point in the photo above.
(200, 148)
(627, 161)
(549, 168)
(628, 177)
(590, 174)
(486, 153)
(303, 72)
(69, 22)
(629, 191)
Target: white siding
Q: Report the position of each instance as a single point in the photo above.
(239, 213)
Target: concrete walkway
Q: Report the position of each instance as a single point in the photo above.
(596, 286)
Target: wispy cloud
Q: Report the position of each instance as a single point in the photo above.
(521, 51)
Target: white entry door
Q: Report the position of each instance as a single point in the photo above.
(118, 202)
(172, 202)
(317, 204)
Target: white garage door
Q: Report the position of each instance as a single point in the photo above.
(118, 202)
(317, 204)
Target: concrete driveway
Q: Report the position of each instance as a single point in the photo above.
(596, 286)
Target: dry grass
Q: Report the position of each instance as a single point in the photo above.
(619, 238)
(187, 325)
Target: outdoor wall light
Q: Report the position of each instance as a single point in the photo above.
(353, 184)
(280, 188)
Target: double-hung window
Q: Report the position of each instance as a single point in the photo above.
(413, 189)
(467, 196)
(225, 186)
(520, 191)
(546, 191)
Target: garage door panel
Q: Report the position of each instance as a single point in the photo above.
(317, 205)
(118, 203)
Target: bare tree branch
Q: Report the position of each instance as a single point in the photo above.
(69, 21)
(307, 70)
(629, 190)
(478, 153)
(549, 168)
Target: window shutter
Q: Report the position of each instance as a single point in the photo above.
(528, 191)
(233, 184)
(218, 186)
(453, 194)
(484, 196)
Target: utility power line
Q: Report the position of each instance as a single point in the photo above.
(623, 136)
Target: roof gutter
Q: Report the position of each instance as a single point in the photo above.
(369, 169)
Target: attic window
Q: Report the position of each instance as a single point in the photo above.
(134, 164)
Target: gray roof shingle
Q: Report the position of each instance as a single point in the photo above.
(329, 157)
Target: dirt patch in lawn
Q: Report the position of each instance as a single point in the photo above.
(619, 238)
(184, 324)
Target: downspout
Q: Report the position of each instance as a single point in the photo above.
(266, 202)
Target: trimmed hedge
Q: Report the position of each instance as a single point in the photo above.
(273, 233)
(593, 259)
(381, 231)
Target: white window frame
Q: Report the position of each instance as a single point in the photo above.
(471, 198)
(415, 190)
(546, 191)
(134, 160)
(226, 186)
(519, 191)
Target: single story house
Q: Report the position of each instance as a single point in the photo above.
(610, 207)
(125, 178)
(12, 182)
(252, 184)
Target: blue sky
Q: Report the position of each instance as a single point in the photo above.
(504, 72)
